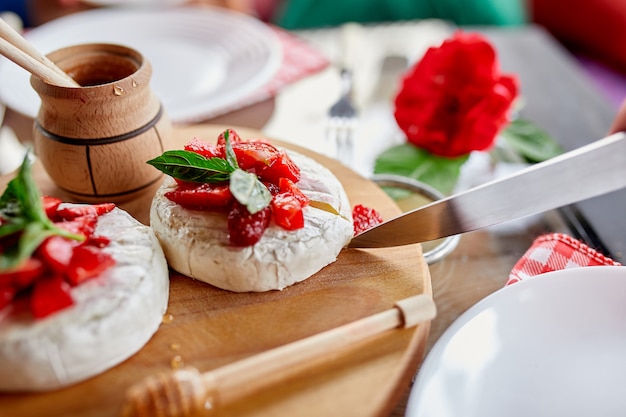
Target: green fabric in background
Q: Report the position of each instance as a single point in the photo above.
(307, 14)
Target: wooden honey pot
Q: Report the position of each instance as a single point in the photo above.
(94, 140)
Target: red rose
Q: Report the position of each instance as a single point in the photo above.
(454, 100)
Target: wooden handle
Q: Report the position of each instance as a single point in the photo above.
(23, 53)
(187, 392)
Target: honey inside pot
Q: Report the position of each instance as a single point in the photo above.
(97, 69)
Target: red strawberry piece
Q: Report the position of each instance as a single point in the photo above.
(72, 212)
(23, 275)
(205, 149)
(83, 225)
(232, 136)
(50, 295)
(281, 166)
(288, 186)
(50, 205)
(287, 211)
(97, 241)
(7, 294)
(87, 262)
(247, 229)
(365, 218)
(255, 157)
(57, 252)
(201, 196)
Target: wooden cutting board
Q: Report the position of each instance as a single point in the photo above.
(207, 327)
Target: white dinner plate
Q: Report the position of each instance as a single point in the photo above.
(204, 59)
(553, 345)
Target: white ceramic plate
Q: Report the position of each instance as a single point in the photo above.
(554, 345)
(204, 59)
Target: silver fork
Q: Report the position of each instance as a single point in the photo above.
(342, 121)
(342, 116)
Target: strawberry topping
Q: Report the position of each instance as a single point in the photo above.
(273, 167)
(59, 263)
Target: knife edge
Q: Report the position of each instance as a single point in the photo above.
(589, 171)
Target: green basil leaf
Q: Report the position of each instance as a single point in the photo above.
(231, 158)
(33, 235)
(529, 141)
(13, 226)
(192, 167)
(410, 161)
(249, 191)
(22, 210)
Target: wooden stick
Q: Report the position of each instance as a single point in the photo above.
(187, 392)
(23, 53)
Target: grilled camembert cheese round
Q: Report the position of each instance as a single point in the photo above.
(113, 316)
(196, 242)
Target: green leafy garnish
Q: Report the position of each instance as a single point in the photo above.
(530, 142)
(249, 191)
(193, 167)
(523, 142)
(410, 161)
(21, 211)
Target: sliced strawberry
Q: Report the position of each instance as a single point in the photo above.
(288, 186)
(7, 294)
(281, 167)
(72, 212)
(287, 211)
(87, 262)
(273, 188)
(49, 295)
(57, 252)
(247, 229)
(205, 149)
(85, 225)
(24, 275)
(364, 218)
(50, 205)
(97, 241)
(255, 157)
(202, 196)
(232, 135)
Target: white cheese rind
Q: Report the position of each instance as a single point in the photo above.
(196, 242)
(113, 317)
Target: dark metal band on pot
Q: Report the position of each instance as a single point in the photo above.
(101, 141)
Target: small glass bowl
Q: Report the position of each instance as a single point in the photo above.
(410, 194)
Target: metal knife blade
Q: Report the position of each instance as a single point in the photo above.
(586, 172)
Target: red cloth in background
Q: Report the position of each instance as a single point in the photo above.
(595, 28)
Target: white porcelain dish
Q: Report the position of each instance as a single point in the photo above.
(204, 59)
(553, 345)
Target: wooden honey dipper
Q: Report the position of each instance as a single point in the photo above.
(188, 392)
(24, 54)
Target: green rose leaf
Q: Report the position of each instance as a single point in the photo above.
(410, 161)
(530, 142)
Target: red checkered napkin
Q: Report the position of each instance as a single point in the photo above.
(555, 251)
